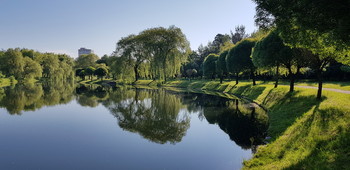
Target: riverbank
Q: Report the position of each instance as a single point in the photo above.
(305, 133)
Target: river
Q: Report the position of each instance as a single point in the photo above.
(63, 126)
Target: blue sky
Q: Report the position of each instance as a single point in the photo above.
(63, 26)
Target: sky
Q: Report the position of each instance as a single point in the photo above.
(63, 26)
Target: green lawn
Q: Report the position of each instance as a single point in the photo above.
(305, 133)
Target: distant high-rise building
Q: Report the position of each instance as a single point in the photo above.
(83, 51)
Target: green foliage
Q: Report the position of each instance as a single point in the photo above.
(239, 34)
(311, 25)
(324, 17)
(86, 60)
(157, 53)
(101, 72)
(238, 58)
(13, 63)
(209, 65)
(221, 68)
(270, 51)
(31, 69)
(89, 71)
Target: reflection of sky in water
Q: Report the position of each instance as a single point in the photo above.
(74, 137)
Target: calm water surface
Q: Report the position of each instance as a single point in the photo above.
(68, 127)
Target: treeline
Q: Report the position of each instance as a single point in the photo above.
(25, 64)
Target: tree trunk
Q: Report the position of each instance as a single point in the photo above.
(236, 78)
(136, 73)
(277, 75)
(292, 79)
(221, 78)
(319, 91)
(253, 77)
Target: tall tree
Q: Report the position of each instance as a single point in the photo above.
(133, 48)
(13, 63)
(209, 66)
(86, 60)
(266, 53)
(221, 68)
(168, 47)
(239, 59)
(239, 34)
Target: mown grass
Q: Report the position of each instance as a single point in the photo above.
(305, 133)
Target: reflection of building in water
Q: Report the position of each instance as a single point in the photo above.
(83, 51)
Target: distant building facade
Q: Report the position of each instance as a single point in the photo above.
(83, 51)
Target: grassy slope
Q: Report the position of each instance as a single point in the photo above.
(305, 133)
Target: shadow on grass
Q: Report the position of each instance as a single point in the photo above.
(330, 147)
(286, 110)
(249, 91)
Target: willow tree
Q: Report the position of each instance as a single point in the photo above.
(168, 48)
(221, 68)
(133, 48)
(209, 66)
(239, 59)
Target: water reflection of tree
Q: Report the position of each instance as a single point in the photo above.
(154, 114)
(30, 96)
(246, 124)
(91, 96)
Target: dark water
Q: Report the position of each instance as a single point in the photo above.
(61, 126)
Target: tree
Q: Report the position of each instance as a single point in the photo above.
(86, 60)
(239, 59)
(239, 34)
(13, 63)
(101, 72)
(103, 60)
(266, 55)
(219, 41)
(209, 66)
(31, 69)
(133, 48)
(191, 72)
(50, 64)
(272, 52)
(89, 71)
(322, 16)
(81, 73)
(168, 47)
(221, 69)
